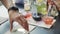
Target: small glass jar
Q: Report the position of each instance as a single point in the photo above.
(27, 5)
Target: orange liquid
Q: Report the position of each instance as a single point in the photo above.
(48, 20)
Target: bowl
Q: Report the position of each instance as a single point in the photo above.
(37, 18)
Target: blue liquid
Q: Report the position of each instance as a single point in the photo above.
(19, 5)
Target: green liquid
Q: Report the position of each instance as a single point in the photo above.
(42, 9)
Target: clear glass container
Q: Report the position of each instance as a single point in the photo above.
(27, 5)
(54, 11)
(41, 6)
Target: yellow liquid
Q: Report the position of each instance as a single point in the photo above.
(39, 1)
(27, 7)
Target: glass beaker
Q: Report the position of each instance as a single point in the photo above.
(41, 7)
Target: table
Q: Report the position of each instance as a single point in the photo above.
(4, 13)
(38, 30)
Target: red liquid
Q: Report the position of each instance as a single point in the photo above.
(28, 15)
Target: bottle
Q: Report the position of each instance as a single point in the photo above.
(54, 11)
(27, 5)
(35, 15)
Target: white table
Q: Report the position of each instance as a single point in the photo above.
(4, 13)
(4, 28)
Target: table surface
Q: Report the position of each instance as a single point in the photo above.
(17, 26)
(54, 30)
